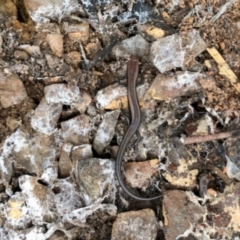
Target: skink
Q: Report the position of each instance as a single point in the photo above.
(132, 75)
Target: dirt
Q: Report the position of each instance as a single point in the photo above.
(222, 97)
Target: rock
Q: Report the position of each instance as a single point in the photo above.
(106, 131)
(91, 110)
(53, 62)
(178, 166)
(167, 116)
(150, 31)
(200, 126)
(46, 116)
(81, 215)
(58, 234)
(143, 102)
(136, 46)
(6, 167)
(91, 6)
(232, 155)
(62, 93)
(1, 42)
(31, 152)
(31, 50)
(112, 97)
(73, 58)
(67, 197)
(233, 171)
(115, 97)
(166, 87)
(92, 48)
(9, 8)
(118, 69)
(139, 174)
(149, 141)
(42, 62)
(21, 55)
(44, 10)
(187, 179)
(50, 172)
(20, 68)
(81, 152)
(136, 225)
(24, 150)
(179, 213)
(224, 210)
(55, 42)
(65, 165)
(12, 90)
(17, 213)
(78, 32)
(76, 130)
(36, 232)
(143, 11)
(176, 50)
(13, 123)
(96, 176)
(82, 105)
(37, 200)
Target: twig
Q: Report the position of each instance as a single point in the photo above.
(105, 51)
(84, 55)
(224, 69)
(222, 10)
(223, 176)
(198, 139)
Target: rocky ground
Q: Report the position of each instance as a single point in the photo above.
(62, 117)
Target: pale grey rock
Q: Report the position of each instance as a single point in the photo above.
(170, 87)
(138, 225)
(32, 50)
(68, 198)
(36, 154)
(106, 131)
(232, 155)
(83, 103)
(81, 152)
(91, 5)
(79, 216)
(43, 10)
(53, 62)
(19, 68)
(105, 97)
(91, 111)
(233, 170)
(37, 200)
(46, 116)
(176, 50)
(62, 93)
(6, 167)
(96, 177)
(16, 212)
(65, 165)
(76, 130)
(35, 232)
(136, 46)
